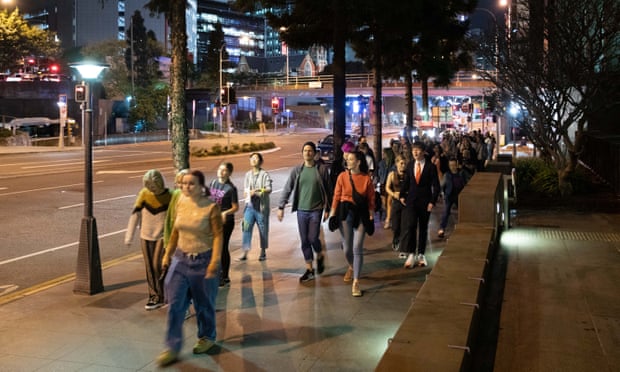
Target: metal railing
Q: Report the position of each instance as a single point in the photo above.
(462, 78)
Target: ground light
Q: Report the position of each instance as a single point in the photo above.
(88, 278)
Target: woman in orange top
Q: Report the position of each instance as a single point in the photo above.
(355, 218)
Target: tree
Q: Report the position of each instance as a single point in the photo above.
(318, 22)
(150, 106)
(439, 49)
(175, 16)
(412, 38)
(115, 81)
(18, 39)
(209, 65)
(142, 52)
(554, 68)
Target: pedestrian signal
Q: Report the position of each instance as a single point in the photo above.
(80, 93)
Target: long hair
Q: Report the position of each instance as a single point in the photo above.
(201, 181)
(362, 158)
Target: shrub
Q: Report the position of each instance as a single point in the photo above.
(5, 133)
(235, 148)
(538, 177)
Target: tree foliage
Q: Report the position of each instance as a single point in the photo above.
(18, 40)
(142, 52)
(319, 22)
(112, 52)
(209, 65)
(554, 70)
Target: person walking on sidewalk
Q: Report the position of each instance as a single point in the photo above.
(224, 193)
(193, 259)
(311, 188)
(352, 211)
(392, 188)
(256, 191)
(419, 193)
(170, 214)
(454, 182)
(149, 212)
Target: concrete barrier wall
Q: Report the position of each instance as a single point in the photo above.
(439, 329)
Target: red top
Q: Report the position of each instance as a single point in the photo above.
(363, 186)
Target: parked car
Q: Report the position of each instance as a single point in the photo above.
(325, 147)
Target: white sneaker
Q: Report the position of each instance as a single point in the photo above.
(410, 261)
(422, 260)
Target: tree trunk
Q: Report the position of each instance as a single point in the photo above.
(409, 102)
(425, 98)
(178, 76)
(377, 119)
(340, 86)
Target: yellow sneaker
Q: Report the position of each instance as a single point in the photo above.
(166, 358)
(202, 346)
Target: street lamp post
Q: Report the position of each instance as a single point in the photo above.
(496, 41)
(220, 93)
(88, 278)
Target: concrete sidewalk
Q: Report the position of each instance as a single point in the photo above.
(267, 320)
(561, 310)
(561, 307)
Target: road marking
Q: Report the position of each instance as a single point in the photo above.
(61, 164)
(55, 248)
(8, 288)
(16, 295)
(44, 188)
(97, 202)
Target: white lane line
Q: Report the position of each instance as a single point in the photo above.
(97, 202)
(55, 249)
(7, 288)
(61, 164)
(44, 188)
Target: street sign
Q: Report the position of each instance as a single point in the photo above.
(62, 105)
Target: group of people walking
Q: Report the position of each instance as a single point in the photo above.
(185, 232)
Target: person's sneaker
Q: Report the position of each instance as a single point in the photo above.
(166, 358)
(242, 258)
(402, 256)
(320, 264)
(422, 260)
(152, 305)
(202, 346)
(224, 282)
(308, 276)
(441, 233)
(355, 290)
(410, 262)
(263, 255)
(348, 276)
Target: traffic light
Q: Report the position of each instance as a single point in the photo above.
(275, 105)
(224, 94)
(80, 93)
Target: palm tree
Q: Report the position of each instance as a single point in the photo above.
(174, 11)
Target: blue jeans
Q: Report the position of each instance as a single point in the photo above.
(446, 213)
(186, 280)
(251, 217)
(353, 243)
(309, 225)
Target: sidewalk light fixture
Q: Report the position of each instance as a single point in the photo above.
(88, 278)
